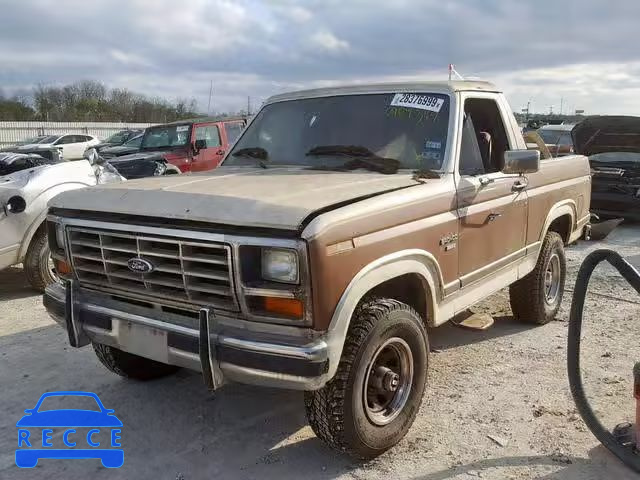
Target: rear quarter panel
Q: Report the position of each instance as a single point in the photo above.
(560, 181)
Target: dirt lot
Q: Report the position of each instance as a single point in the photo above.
(508, 382)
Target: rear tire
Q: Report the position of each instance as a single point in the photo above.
(360, 411)
(536, 298)
(37, 264)
(131, 366)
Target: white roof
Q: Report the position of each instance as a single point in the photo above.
(404, 87)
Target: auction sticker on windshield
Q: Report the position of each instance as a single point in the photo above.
(412, 100)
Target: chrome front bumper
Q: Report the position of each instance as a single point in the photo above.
(221, 347)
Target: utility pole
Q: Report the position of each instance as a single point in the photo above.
(561, 103)
(248, 105)
(210, 93)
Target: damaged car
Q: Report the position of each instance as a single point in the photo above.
(146, 166)
(612, 144)
(27, 182)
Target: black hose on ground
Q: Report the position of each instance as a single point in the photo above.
(632, 276)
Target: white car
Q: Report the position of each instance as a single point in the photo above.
(72, 145)
(27, 183)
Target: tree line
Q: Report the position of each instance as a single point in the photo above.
(91, 101)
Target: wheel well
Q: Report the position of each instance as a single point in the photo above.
(408, 288)
(562, 226)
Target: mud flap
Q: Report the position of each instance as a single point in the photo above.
(77, 337)
(211, 373)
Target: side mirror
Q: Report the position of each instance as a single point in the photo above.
(521, 161)
(200, 145)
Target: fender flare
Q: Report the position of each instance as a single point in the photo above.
(413, 261)
(565, 207)
(44, 196)
(30, 233)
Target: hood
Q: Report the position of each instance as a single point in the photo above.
(159, 155)
(154, 154)
(607, 134)
(275, 198)
(101, 145)
(118, 151)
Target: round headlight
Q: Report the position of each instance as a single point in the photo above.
(280, 265)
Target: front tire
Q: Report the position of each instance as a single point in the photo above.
(131, 366)
(376, 393)
(536, 298)
(38, 265)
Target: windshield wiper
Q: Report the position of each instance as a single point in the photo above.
(258, 153)
(360, 157)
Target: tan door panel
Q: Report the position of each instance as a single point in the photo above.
(493, 220)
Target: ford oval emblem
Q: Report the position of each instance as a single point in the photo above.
(140, 265)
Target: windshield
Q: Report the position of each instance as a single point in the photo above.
(30, 140)
(134, 142)
(166, 136)
(49, 139)
(410, 128)
(117, 137)
(556, 137)
(616, 157)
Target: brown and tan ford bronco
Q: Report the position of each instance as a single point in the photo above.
(342, 224)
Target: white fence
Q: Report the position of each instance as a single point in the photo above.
(13, 132)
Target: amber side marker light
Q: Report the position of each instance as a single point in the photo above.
(288, 307)
(62, 267)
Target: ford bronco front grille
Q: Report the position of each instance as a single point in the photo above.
(178, 271)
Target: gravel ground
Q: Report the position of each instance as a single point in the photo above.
(507, 383)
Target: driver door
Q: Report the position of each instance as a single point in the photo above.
(492, 208)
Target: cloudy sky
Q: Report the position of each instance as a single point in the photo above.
(584, 52)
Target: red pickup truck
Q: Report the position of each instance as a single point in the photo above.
(191, 145)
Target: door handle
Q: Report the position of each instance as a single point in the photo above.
(220, 152)
(492, 216)
(519, 185)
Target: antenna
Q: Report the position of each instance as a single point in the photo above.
(452, 70)
(210, 92)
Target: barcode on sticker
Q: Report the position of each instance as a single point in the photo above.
(412, 100)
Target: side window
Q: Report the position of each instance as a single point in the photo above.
(64, 140)
(233, 131)
(470, 157)
(490, 133)
(210, 134)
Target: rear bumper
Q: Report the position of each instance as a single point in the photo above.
(206, 343)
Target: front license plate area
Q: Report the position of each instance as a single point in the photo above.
(145, 341)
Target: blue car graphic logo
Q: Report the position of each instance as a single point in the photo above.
(74, 429)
